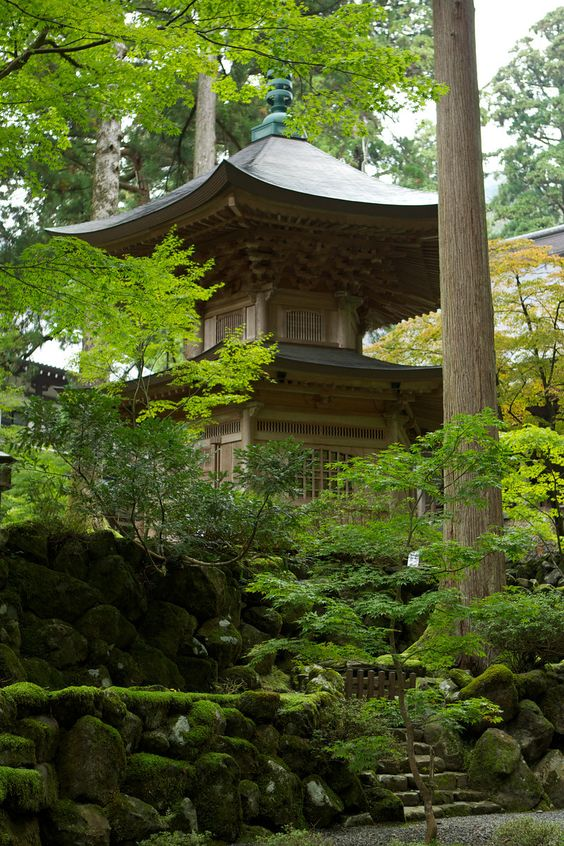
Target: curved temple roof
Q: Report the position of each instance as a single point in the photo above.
(285, 170)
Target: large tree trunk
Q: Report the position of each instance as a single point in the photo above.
(466, 301)
(204, 142)
(105, 186)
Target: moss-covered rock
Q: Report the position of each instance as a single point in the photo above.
(123, 668)
(151, 705)
(131, 819)
(40, 672)
(91, 761)
(447, 744)
(265, 619)
(198, 674)
(260, 705)
(44, 733)
(11, 668)
(70, 824)
(323, 679)
(21, 790)
(69, 704)
(281, 795)
(8, 711)
(498, 769)
(251, 636)
(71, 557)
(237, 725)
(217, 798)
(107, 623)
(183, 816)
(28, 538)
(155, 741)
(49, 782)
(16, 751)
(116, 580)
(222, 641)
(531, 730)
(552, 706)
(250, 799)
(267, 739)
(297, 754)
(29, 698)
(167, 626)
(206, 592)
(131, 731)
(532, 685)
(550, 773)
(19, 831)
(461, 678)
(46, 593)
(299, 713)
(321, 804)
(345, 783)
(497, 684)
(189, 734)
(243, 752)
(55, 641)
(383, 805)
(155, 667)
(242, 677)
(157, 780)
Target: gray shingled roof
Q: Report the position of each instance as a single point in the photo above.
(291, 355)
(284, 169)
(553, 237)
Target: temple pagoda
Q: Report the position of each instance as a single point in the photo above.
(314, 253)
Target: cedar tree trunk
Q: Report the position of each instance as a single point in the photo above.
(204, 142)
(466, 301)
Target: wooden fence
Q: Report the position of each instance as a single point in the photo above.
(361, 683)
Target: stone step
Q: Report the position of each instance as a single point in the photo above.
(454, 809)
(402, 765)
(442, 781)
(409, 798)
(392, 782)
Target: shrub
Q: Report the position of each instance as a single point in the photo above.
(177, 838)
(526, 831)
(294, 837)
(524, 628)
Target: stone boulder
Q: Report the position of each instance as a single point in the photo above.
(117, 582)
(70, 824)
(158, 780)
(91, 761)
(281, 796)
(132, 819)
(217, 801)
(321, 804)
(106, 623)
(531, 730)
(206, 592)
(46, 593)
(550, 773)
(56, 641)
(167, 627)
(497, 684)
(446, 744)
(552, 706)
(497, 768)
(222, 641)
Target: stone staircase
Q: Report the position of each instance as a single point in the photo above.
(451, 795)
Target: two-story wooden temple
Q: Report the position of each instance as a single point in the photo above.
(315, 253)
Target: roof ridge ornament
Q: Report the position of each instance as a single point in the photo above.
(279, 98)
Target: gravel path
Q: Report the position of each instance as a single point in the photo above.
(470, 831)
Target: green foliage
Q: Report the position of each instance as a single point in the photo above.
(146, 479)
(528, 831)
(294, 837)
(359, 732)
(166, 46)
(533, 485)
(524, 628)
(178, 838)
(526, 98)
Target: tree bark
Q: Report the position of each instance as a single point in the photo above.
(204, 142)
(466, 300)
(105, 187)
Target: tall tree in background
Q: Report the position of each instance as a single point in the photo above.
(204, 136)
(527, 97)
(466, 303)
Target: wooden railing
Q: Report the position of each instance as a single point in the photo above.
(362, 683)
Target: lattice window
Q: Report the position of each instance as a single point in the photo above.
(226, 323)
(217, 430)
(304, 326)
(318, 474)
(327, 430)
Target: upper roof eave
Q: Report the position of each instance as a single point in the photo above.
(329, 186)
